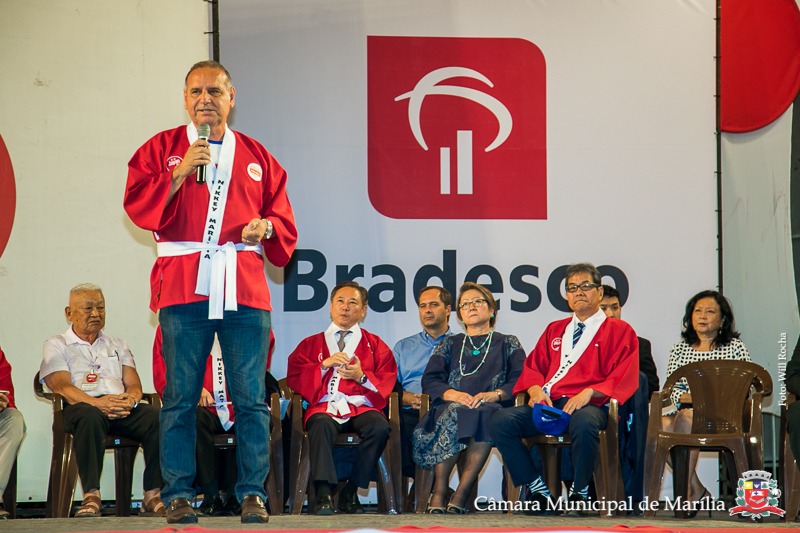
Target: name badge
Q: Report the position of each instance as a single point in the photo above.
(89, 382)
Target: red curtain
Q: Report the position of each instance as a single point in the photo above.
(759, 62)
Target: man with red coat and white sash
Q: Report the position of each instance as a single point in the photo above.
(578, 365)
(213, 234)
(346, 375)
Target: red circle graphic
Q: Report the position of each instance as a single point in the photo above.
(8, 196)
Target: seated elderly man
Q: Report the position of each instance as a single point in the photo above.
(12, 428)
(97, 376)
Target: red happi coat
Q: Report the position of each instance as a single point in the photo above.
(305, 376)
(251, 194)
(5, 378)
(609, 365)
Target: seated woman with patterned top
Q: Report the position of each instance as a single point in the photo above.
(468, 377)
(709, 332)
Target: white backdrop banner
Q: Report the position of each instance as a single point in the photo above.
(438, 142)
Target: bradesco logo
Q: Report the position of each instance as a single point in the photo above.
(8, 196)
(456, 128)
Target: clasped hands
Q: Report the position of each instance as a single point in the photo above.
(349, 368)
(470, 400)
(412, 399)
(116, 406)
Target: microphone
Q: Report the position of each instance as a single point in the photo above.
(203, 132)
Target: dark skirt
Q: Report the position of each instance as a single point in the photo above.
(447, 429)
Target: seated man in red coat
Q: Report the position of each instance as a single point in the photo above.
(12, 428)
(578, 365)
(346, 375)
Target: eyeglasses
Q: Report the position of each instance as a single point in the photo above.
(585, 287)
(478, 302)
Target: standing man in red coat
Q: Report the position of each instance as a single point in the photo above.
(216, 202)
(346, 375)
(578, 365)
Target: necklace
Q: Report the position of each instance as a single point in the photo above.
(475, 351)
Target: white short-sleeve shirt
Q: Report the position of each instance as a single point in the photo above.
(105, 357)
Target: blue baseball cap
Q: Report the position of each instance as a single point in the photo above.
(549, 420)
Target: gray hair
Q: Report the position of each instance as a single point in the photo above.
(85, 287)
(584, 268)
(215, 65)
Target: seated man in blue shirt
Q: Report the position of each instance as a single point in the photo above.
(412, 354)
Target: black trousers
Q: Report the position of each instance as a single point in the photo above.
(218, 465)
(373, 429)
(409, 418)
(89, 427)
(793, 428)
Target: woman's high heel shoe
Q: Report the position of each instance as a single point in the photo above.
(455, 509)
(708, 504)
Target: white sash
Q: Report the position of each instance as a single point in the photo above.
(216, 274)
(339, 402)
(222, 274)
(569, 354)
(221, 401)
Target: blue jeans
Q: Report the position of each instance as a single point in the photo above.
(188, 335)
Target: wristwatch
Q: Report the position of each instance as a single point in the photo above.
(268, 232)
(363, 378)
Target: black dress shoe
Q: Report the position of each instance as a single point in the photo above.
(349, 504)
(211, 506)
(230, 507)
(253, 510)
(323, 507)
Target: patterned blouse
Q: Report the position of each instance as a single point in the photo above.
(682, 354)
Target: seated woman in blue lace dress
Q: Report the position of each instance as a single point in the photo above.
(467, 378)
(709, 332)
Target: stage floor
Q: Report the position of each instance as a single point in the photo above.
(407, 522)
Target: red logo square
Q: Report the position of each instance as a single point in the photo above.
(456, 128)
